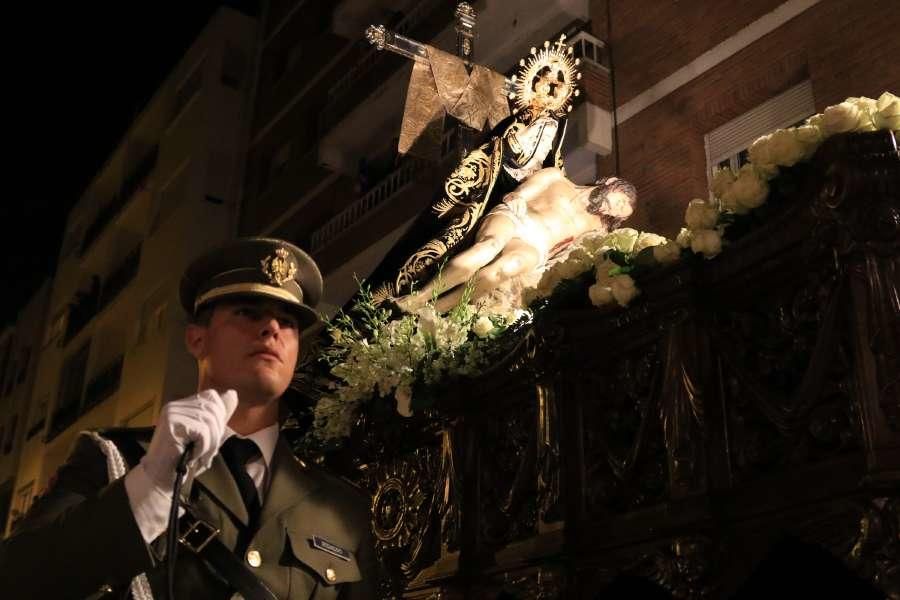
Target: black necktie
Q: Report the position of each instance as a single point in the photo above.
(237, 452)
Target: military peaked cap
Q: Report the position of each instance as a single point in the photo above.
(254, 267)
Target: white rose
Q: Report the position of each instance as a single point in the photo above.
(868, 108)
(701, 215)
(707, 242)
(747, 192)
(592, 242)
(600, 294)
(602, 269)
(815, 121)
(403, 395)
(573, 268)
(482, 326)
(684, 238)
(810, 137)
(841, 117)
(648, 240)
(760, 151)
(721, 181)
(785, 149)
(888, 115)
(666, 253)
(622, 239)
(623, 289)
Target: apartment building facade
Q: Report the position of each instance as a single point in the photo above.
(696, 82)
(113, 348)
(20, 420)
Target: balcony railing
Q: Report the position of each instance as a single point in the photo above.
(388, 188)
(104, 384)
(373, 68)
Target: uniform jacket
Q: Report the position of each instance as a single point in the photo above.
(81, 535)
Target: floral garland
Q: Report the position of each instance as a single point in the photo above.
(613, 257)
(738, 193)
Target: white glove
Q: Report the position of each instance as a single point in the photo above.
(201, 419)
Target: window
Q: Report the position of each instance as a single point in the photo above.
(23, 367)
(10, 440)
(285, 60)
(172, 195)
(72, 240)
(234, 65)
(56, 328)
(727, 145)
(589, 49)
(5, 362)
(9, 377)
(188, 90)
(153, 316)
(37, 416)
(6, 493)
(280, 160)
(21, 503)
(71, 383)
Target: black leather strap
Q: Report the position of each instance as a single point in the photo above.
(199, 537)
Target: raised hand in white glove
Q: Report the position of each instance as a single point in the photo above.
(201, 419)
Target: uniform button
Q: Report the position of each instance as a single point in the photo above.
(330, 574)
(253, 558)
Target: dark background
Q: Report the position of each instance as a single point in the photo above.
(78, 73)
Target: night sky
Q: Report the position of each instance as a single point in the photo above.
(78, 74)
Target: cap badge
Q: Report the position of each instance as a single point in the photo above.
(279, 267)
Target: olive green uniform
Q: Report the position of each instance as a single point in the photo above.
(81, 538)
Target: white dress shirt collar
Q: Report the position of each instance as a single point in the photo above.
(266, 438)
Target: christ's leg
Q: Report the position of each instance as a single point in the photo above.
(517, 258)
(493, 234)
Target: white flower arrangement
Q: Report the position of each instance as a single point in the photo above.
(737, 193)
(611, 257)
(375, 355)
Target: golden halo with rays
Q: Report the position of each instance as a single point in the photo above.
(546, 81)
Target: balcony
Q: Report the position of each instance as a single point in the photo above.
(120, 278)
(70, 389)
(87, 304)
(104, 384)
(82, 309)
(390, 187)
(132, 184)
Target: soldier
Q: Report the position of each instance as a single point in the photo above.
(255, 520)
